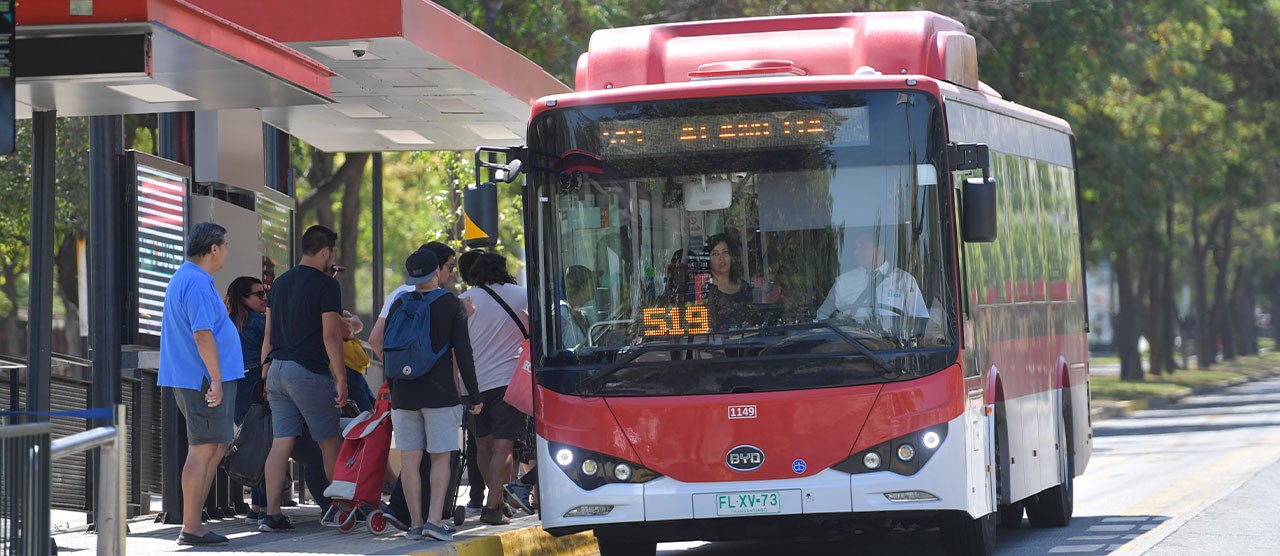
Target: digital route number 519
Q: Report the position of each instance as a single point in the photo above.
(675, 321)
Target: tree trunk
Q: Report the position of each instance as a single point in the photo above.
(1244, 325)
(1128, 321)
(349, 235)
(1200, 322)
(15, 332)
(1221, 299)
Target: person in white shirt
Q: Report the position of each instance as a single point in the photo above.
(445, 255)
(875, 290)
(498, 328)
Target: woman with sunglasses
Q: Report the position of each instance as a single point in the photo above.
(246, 300)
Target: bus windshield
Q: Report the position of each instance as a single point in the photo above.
(772, 242)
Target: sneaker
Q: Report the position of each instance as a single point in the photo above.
(506, 510)
(518, 494)
(275, 523)
(395, 521)
(437, 532)
(493, 516)
(474, 508)
(413, 534)
(253, 518)
(208, 539)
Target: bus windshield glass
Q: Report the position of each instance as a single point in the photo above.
(800, 240)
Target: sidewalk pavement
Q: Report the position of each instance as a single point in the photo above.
(522, 537)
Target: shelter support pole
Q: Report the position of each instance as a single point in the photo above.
(40, 302)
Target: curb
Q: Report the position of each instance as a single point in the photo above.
(529, 541)
(1112, 409)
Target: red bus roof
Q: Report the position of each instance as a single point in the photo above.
(906, 43)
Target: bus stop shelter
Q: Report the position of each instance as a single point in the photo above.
(231, 80)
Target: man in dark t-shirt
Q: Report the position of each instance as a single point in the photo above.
(307, 381)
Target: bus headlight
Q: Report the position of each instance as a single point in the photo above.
(871, 460)
(597, 469)
(906, 452)
(904, 455)
(564, 457)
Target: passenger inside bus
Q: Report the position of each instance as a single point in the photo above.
(573, 314)
(876, 294)
(726, 294)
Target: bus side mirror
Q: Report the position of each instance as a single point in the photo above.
(480, 201)
(480, 215)
(978, 224)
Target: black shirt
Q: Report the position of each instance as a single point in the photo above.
(298, 299)
(436, 388)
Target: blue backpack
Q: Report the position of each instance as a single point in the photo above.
(406, 346)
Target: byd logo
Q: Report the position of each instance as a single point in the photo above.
(744, 458)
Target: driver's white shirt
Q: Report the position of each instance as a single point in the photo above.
(897, 289)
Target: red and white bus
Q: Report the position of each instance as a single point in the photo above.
(797, 274)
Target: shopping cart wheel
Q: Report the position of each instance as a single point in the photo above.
(347, 521)
(376, 523)
(459, 514)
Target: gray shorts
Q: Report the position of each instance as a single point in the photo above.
(208, 425)
(297, 397)
(433, 428)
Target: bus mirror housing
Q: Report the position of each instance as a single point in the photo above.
(480, 201)
(480, 215)
(978, 224)
(978, 215)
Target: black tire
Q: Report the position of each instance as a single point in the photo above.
(1053, 507)
(459, 514)
(615, 547)
(965, 536)
(1011, 516)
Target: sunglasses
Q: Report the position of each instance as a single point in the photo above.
(260, 294)
(336, 268)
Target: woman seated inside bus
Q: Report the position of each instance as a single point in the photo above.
(573, 316)
(726, 295)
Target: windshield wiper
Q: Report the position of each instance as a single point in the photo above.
(623, 359)
(850, 339)
(590, 384)
(861, 347)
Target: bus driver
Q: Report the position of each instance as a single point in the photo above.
(875, 290)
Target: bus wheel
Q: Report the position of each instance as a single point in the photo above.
(1011, 516)
(965, 536)
(615, 547)
(1054, 506)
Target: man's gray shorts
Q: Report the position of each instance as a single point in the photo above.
(435, 429)
(297, 397)
(207, 425)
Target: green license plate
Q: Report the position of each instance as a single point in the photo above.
(748, 503)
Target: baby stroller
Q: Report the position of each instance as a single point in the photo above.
(356, 490)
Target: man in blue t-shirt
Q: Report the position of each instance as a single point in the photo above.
(199, 361)
(307, 381)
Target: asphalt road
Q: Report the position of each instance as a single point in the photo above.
(1201, 477)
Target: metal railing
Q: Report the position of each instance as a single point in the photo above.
(24, 489)
(26, 455)
(112, 444)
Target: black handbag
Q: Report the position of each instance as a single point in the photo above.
(247, 455)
